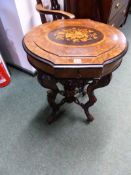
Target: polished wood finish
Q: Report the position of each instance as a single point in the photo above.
(72, 88)
(113, 12)
(56, 56)
(79, 54)
(84, 8)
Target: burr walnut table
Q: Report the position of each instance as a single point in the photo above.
(79, 54)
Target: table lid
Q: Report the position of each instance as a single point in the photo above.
(75, 41)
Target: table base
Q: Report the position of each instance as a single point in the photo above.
(71, 89)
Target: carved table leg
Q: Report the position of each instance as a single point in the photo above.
(51, 96)
(50, 83)
(104, 81)
(92, 100)
(71, 88)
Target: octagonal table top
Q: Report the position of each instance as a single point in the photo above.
(75, 43)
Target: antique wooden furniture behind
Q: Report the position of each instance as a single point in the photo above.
(79, 54)
(54, 11)
(130, 7)
(113, 12)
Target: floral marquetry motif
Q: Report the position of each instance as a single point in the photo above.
(72, 43)
(76, 35)
(78, 54)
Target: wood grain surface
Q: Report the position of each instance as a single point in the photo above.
(75, 43)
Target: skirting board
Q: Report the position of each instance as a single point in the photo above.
(22, 69)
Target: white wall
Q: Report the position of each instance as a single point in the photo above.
(17, 17)
(27, 13)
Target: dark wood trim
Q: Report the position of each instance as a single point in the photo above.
(31, 54)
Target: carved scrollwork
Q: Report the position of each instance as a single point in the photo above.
(72, 87)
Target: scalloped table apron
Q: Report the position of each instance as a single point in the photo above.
(80, 54)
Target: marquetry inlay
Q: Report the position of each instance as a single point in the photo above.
(76, 35)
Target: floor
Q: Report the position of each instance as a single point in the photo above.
(28, 146)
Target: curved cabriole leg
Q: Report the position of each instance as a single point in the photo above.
(92, 100)
(104, 81)
(69, 93)
(51, 96)
(50, 83)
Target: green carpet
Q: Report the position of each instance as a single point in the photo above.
(28, 146)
